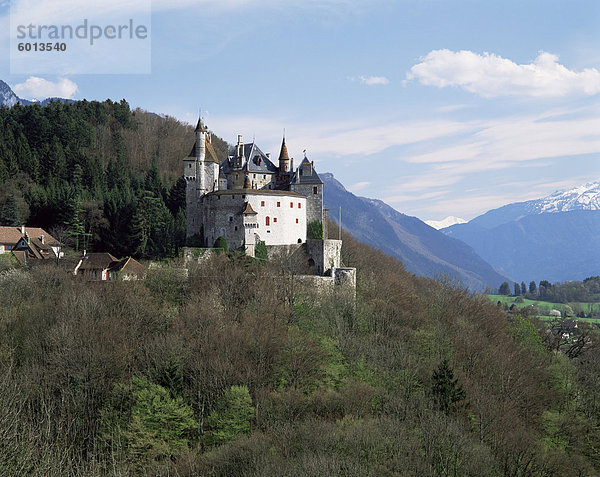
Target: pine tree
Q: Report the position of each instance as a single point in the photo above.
(446, 390)
(11, 214)
(504, 289)
(532, 288)
(517, 289)
(177, 194)
(523, 288)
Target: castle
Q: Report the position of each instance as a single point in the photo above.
(247, 198)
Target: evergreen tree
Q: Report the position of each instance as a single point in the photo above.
(532, 288)
(504, 288)
(261, 251)
(523, 288)
(517, 289)
(231, 417)
(446, 390)
(11, 214)
(74, 222)
(176, 198)
(152, 182)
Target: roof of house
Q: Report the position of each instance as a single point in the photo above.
(128, 265)
(97, 261)
(211, 155)
(283, 154)
(255, 192)
(21, 256)
(248, 210)
(253, 161)
(301, 177)
(11, 235)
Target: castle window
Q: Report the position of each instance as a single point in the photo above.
(315, 190)
(262, 203)
(230, 218)
(267, 221)
(189, 166)
(278, 204)
(254, 176)
(233, 196)
(235, 228)
(264, 176)
(296, 220)
(274, 220)
(291, 205)
(299, 205)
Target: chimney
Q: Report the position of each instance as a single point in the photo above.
(22, 230)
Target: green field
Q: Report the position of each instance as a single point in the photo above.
(544, 307)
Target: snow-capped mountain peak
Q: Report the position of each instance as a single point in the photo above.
(447, 222)
(585, 197)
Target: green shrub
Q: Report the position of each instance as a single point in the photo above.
(261, 251)
(314, 230)
(221, 243)
(231, 417)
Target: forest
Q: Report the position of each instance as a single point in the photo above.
(97, 176)
(237, 369)
(232, 366)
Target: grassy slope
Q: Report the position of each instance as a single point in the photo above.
(546, 306)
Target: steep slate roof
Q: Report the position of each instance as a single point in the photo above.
(250, 162)
(283, 154)
(211, 155)
(11, 235)
(301, 178)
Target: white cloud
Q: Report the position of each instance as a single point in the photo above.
(373, 80)
(39, 88)
(489, 75)
(358, 186)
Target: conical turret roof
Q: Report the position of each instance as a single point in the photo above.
(283, 155)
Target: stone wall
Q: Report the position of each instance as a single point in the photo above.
(314, 202)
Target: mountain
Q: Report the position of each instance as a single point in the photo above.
(447, 222)
(586, 197)
(9, 98)
(422, 249)
(7, 95)
(554, 238)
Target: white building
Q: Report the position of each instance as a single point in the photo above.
(247, 198)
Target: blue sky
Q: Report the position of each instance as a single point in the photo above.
(437, 107)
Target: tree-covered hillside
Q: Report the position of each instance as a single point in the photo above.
(97, 174)
(238, 369)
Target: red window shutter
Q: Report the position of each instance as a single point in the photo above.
(262, 203)
(267, 221)
(299, 205)
(296, 220)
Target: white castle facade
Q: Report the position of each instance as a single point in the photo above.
(247, 198)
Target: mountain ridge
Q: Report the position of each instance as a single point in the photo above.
(422, 249)
(9, 98)
(553, 238)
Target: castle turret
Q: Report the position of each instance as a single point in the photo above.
(284, 159)
(201, 156)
